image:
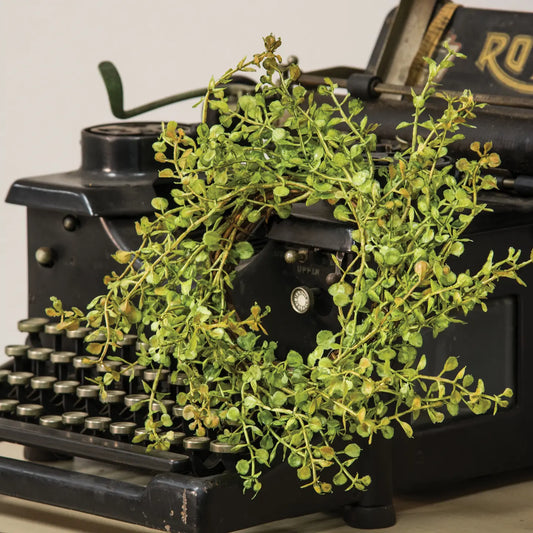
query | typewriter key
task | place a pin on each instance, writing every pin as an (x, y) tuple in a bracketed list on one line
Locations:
[(19, 353), (87, 391), (32, 325), (20, 382), (157, 407), (113, 403), (97, 423), (29, 411), (85, 366), (64, 394), (132, 385), (176, 439), (53, 330), (128, 346), (7, 406), (3, 376), (122, 429), (43, 388), (133, 399), (51, 421), (74, 420), (78, 336), (196, 443), (39, 357), (61, 362)]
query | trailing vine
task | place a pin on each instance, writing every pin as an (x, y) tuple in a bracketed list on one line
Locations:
[(275, 147)]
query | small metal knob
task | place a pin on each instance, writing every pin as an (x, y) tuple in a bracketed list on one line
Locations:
[(292, 256), (45, 256)]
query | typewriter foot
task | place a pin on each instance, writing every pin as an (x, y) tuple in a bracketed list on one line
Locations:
[(369, 517)]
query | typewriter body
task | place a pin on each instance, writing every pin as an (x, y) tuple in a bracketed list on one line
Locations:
[(78, 219)]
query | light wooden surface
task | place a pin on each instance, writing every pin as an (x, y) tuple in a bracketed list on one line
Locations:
[(502, 504)]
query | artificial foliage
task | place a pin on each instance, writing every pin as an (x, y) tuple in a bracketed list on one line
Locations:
[(276, 146)]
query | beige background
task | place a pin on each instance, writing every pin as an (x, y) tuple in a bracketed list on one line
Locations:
[(50, 87)]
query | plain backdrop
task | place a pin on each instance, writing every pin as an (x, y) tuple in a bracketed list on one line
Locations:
[(50, 88)]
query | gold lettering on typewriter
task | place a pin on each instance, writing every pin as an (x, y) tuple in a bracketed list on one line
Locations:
[(517, 51)]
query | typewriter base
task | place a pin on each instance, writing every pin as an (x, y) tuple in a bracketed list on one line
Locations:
[(187, 504)]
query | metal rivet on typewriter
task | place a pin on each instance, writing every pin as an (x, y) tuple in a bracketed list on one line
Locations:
[(19, 354), (78, 335), (51, 421), (61, 362), (33, 326), (97, 424), (7, 406), (38, 357), (74, 419), (122, 429), (53, 329), (29, 411)]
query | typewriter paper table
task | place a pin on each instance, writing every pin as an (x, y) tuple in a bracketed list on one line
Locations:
[(492, 505)]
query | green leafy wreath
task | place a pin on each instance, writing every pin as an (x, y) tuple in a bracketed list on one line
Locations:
[(281, 145)]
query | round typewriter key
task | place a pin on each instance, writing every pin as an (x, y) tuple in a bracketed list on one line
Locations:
[(51, 421), (74, 418), (66, 387), (43, 382), (140, 346), (176, 438), (181, 379), (196, 443), (108, 366), (128, 340), (113, 396), (88, 391), (78, 333), (122, 428), (150, 374), (177, 410), (84, 361), (133, 399), (97, 423), (16, 350), (19, 354), (19, 378), (3, 375), (98, 337), (29, 410), (62, 357), (140, 432), (32, 325), (53, 329), (157, 407), (222, 447), (39, 354), (135, 370), (7, 405)]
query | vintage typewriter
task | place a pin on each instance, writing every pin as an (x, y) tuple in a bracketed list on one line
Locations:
[(78, 219)]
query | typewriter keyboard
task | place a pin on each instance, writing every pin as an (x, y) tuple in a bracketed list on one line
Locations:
[(48, 401)]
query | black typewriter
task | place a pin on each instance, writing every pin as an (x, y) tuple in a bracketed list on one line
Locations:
[(76, 220)]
